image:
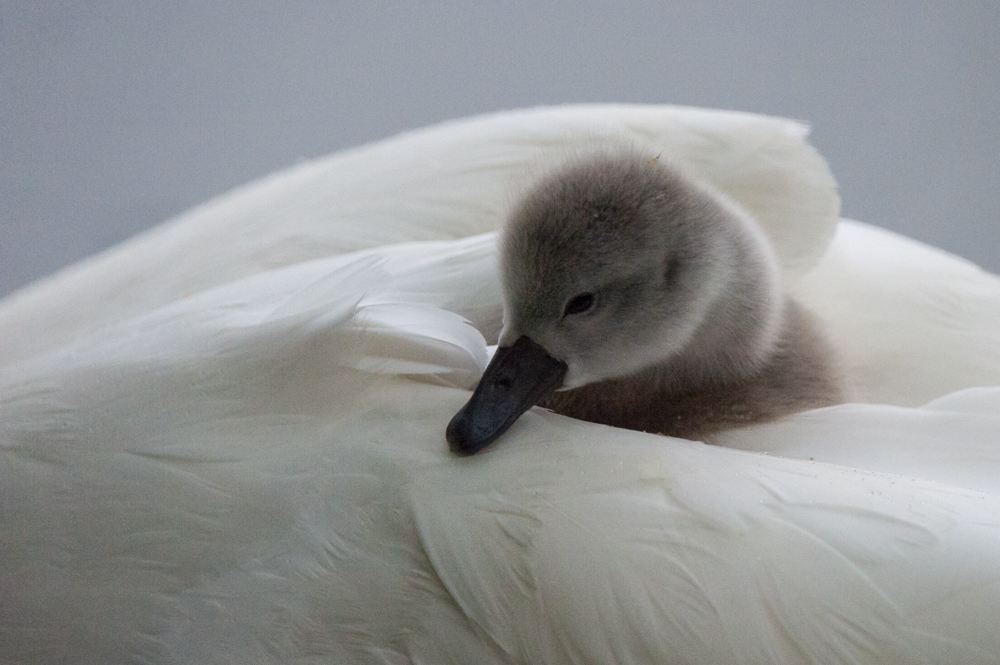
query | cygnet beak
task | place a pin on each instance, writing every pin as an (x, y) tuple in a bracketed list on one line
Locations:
[(518, 377)]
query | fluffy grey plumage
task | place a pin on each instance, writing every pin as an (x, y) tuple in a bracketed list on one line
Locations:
[(662, 298)]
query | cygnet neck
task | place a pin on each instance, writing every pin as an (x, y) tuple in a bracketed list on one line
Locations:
[(740, 329)]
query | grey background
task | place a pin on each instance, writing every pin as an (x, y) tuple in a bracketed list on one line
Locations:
[(117, 115)]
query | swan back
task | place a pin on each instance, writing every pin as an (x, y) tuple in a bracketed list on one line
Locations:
[(256, 474)]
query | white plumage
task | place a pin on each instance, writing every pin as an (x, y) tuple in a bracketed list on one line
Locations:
[(223, 441)]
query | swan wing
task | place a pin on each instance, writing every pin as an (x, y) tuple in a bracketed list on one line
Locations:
[(911, 322), (448, 181)]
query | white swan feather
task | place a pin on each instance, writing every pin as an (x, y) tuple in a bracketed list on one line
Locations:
[(249, 465)]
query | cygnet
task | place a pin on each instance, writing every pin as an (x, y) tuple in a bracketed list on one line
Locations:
[(636, 297)]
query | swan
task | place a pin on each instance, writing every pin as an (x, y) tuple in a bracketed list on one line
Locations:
[(651, 302), (222, 440)]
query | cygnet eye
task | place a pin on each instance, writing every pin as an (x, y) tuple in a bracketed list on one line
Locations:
[(579, 304)]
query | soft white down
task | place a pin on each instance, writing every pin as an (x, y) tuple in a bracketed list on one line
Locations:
[(223, 440)]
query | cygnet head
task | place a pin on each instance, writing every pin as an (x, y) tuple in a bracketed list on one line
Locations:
[(611, 265)]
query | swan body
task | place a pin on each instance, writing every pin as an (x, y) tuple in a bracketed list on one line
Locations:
[(244, 462), (652, 301)]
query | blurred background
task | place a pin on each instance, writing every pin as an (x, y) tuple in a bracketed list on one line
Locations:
[(117, 115)]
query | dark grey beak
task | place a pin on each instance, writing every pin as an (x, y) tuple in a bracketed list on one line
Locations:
[(517, 378)]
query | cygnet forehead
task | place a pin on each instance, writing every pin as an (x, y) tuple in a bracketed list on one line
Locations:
[(608, 212), (610, 200)]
